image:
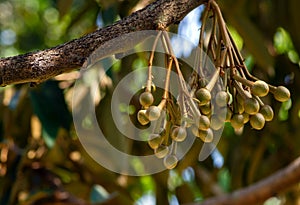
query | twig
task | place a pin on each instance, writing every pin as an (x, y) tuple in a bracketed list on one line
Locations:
[(262, 190), (150, 62)]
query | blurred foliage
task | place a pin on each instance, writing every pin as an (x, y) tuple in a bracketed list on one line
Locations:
[(32, 172)]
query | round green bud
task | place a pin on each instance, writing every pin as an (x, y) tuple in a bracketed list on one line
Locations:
[(237, 121), (170, 161), (260, 88), (154, 141), (282, 94), (267, 112), (204, 122), (205, 109), (161, 151), (206, 136), (153, 113), (251, 106), (178, 134), (203, 95), (146, 99), (257, 121), (222, 98)]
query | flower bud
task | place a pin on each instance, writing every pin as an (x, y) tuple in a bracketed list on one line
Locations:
[(251, 106), (146, 99), (282, 94), (153, 113), (260, 88), (203, 95), (142, 117), (170, 161), (267, 112), (257, 121)]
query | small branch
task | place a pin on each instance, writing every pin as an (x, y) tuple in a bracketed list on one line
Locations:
[(262, 190), (41, 65)]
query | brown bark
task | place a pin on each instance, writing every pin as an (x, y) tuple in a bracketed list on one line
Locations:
[(38, 66), (262, 190)]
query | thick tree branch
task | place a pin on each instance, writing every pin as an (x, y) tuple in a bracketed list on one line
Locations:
[(262, 190), (39, 66)]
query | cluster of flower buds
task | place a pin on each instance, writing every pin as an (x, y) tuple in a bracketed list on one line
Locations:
[(245, 90), (228, 93), (168, 129)]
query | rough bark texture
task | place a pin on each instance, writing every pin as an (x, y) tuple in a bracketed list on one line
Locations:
[(38, 66), (262, 190)]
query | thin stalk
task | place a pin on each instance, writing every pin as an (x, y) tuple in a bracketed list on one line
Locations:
[(261, 103), (183, 87), (201, 38), (213, 39), (150, 63), (240, 58), (167, 82), (169, 47), (158, 123), (173, 147), (168, 129), (242, 80), (182, 105), (216, 75), (241, 91), (222, 23)]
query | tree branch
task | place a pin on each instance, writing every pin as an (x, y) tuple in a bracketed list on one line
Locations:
[(262, 190), (41, 65)]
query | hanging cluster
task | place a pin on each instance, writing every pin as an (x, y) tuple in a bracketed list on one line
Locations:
[(243, 89), (229, 94)]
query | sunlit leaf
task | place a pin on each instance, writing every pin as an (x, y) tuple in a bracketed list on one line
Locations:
[(236, 37), (282, 41), (284, 110)]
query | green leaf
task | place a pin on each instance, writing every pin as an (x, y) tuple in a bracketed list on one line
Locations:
[(284, 110), (236, 37), (282, 41), (224, 179)]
